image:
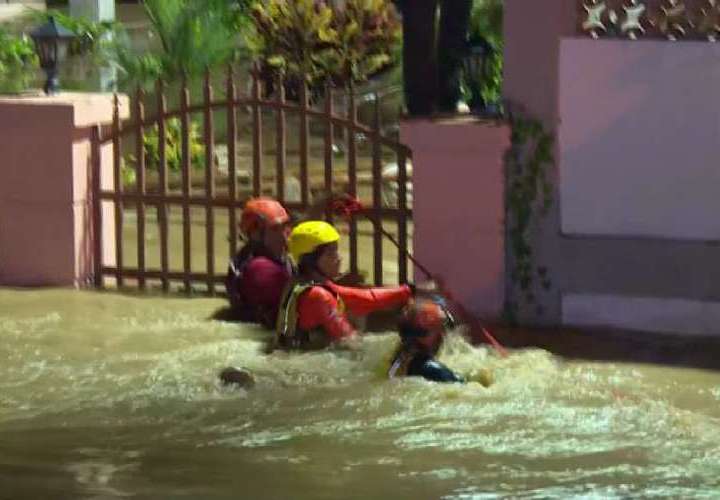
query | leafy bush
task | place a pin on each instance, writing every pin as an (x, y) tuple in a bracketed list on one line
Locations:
[(173, 146), (192, 35), (293, 36), (367, 32), (310, 38), (18, 63)]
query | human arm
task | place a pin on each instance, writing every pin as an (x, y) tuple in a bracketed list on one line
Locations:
[(363, 301)]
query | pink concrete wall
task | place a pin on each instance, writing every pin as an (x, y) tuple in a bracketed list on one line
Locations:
[(532, 31), (458, 211), (631, 236), (638, 139), (45, 204)]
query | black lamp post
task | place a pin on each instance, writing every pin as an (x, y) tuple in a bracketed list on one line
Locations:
[(476, 65), (51, 42)]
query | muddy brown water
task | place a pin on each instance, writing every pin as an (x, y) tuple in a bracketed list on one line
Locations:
[(104, 395)]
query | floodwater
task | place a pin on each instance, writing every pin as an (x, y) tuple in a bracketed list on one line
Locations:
[(104, 395)]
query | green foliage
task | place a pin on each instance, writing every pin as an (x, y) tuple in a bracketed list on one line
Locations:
[(173, 146), (313, 39), (528, 197), (18, 63), (135, 70), (367, 32), (128, 176), (294, 36), (486, 20), (193, 35)]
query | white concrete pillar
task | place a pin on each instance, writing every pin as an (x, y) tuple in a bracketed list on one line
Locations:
[(95, 10), (98, 10)]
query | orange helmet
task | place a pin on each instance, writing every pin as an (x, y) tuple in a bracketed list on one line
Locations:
[(262, 212), (425, 317)]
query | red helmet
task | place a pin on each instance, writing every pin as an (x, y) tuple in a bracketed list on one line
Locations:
[(262, 212), (425, 317)]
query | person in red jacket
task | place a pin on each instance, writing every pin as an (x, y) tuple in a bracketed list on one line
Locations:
[(313, 310), (258, 274)]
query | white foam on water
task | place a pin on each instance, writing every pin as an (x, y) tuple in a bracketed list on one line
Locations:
[(141, 374)]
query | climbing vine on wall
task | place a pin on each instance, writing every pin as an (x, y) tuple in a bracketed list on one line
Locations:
[(529, 196)]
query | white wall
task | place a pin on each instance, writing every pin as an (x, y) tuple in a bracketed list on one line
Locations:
[(97, 10), (638, 139)]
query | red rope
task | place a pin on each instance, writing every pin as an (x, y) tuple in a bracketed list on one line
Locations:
[(348, 205)]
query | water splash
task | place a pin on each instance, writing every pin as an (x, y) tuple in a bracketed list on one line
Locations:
[(118, 375)]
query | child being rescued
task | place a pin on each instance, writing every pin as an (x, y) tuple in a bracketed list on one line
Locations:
[(423, 327), (422, 330)]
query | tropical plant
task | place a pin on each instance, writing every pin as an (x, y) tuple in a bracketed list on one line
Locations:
[(173, 146), (309, 38), (486, 20), (367, 31), (294, 37), (128, 177), (192, 35), (18, 63)]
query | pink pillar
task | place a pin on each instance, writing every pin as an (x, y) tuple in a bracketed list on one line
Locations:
[(458, 211), (532, 32), (45, 184)]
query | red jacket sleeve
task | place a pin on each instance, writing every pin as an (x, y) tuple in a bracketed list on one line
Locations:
[(363, 301), (318, 307)]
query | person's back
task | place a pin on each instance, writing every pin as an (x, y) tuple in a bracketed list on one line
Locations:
[(255, 285), (257, 275)]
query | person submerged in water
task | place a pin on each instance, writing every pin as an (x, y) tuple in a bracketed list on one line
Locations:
[(258, 273), (313, 310), (422, 331)]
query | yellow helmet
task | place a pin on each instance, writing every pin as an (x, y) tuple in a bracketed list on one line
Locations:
[(307, 236)]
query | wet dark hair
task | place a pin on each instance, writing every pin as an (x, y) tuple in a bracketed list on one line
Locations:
[(308, 262)]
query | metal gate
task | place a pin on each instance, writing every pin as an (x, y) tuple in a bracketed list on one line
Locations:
[(159, 160)]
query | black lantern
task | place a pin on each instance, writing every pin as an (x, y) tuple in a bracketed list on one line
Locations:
[(476, 64), (51, 42)]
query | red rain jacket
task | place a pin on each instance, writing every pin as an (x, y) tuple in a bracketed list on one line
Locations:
[(320, 306)]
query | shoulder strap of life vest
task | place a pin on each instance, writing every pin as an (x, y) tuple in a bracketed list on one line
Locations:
[(287, 320), (400, 363)]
